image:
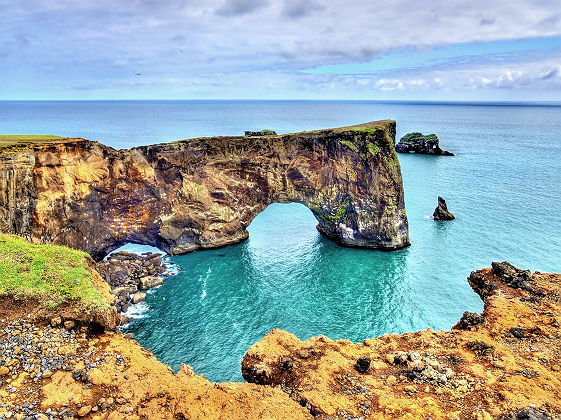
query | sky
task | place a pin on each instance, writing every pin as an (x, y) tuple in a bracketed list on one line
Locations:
[(281, 49)]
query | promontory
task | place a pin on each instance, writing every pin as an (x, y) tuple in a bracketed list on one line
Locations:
[(203, 192)]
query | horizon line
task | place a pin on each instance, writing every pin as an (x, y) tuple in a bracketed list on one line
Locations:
[(402, 101)]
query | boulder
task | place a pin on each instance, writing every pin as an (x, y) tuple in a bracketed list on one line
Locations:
[(441, 212), (149, 282), (138, 297), (421, 144)]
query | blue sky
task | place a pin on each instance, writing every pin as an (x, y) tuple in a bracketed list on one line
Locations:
[(281, 49)]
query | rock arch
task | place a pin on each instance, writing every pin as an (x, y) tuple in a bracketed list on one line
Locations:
[(204, 192)]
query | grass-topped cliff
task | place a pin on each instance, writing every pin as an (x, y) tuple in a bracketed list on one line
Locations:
[(54, 277), (12, 139)]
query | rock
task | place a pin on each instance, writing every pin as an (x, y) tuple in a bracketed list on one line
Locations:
[(527, 414), (517, 332), (138, 297), (421, 144), (150, 281), (84, 411), (4, 370), (363, 364), (108, 207), (512, 276), (56, 321), (260, 133), (441, 212), (390, 358), (47, 374), (411, 389), (391, 380), (286, 363), (80, 375), (468, 320)]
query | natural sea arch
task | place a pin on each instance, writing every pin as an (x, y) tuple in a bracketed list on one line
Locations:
[(203, 193)]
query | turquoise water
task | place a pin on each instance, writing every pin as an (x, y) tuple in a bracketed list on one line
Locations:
[(503, 186)]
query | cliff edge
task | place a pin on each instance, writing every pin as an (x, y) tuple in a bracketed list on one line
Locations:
[(503, 364), (204, 192)]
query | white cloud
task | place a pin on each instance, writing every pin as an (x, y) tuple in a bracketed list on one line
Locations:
[(239, 43)]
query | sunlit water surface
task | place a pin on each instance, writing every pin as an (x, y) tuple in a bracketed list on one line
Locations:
[(503, 185)]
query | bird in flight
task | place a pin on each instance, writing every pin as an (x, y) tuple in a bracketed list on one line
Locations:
[(138, 74)]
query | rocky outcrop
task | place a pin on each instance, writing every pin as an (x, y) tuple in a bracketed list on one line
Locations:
[(418, 143), (261, 133), (203, 193), (127, 273), (441, 211), (504, 363)]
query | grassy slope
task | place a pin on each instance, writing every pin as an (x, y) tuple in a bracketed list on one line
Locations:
[(49, 273), (10, 139)]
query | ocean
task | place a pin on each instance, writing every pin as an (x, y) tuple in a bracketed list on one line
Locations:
[(503, 185)]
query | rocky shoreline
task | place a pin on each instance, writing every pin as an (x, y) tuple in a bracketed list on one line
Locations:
[(501, 364), (129, 275)]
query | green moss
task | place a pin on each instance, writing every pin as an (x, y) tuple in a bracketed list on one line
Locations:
[(373, 149), (339, 213), (350, 145), (49, 273)]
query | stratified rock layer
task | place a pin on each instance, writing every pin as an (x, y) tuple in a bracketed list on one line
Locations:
[(203, 193)]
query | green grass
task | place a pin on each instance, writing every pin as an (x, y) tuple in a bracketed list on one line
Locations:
[(12, 139), (49, 273)]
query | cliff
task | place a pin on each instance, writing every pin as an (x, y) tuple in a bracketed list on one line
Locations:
[(203, 193), (502, 364)]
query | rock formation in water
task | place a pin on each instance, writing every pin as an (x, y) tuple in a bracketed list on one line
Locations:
[(204, 192), (418, 143), (441, 211)]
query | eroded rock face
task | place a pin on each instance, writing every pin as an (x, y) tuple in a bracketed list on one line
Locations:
[(203, 193)]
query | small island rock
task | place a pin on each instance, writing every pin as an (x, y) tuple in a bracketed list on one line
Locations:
[(421, 144), (441, 212)]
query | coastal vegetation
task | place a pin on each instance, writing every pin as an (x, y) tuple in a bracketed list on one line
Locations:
[(50, 274), (12, 139)]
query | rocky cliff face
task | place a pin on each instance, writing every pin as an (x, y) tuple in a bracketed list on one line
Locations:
[(203, 193)]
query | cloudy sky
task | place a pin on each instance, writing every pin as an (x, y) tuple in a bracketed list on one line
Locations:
[(285, 49)]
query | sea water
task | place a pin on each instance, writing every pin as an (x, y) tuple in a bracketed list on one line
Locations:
[(503, 185)]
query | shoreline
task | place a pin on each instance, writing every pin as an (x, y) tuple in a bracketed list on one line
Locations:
[(437, 374)]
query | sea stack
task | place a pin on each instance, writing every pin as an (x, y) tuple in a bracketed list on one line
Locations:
[(421, 144), (441, 211)]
